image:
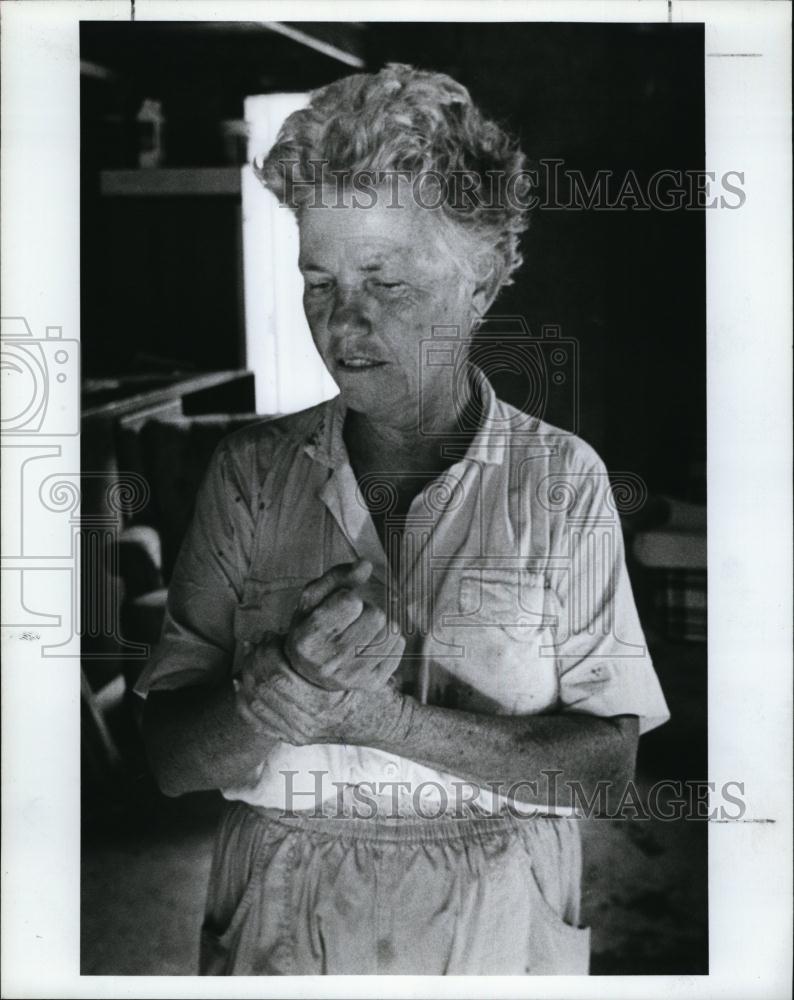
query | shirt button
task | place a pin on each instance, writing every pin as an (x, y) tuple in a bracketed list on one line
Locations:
[(391, 770)]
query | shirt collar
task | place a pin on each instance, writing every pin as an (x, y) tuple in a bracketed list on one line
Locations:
[(488, 444), (325, 442)]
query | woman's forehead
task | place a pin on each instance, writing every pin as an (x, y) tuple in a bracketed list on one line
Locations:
[(379, 231)]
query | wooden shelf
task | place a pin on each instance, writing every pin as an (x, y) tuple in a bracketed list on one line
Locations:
[(159, 182), (175, 387)]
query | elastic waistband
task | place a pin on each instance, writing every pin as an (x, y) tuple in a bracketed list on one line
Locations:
[(409, 830)]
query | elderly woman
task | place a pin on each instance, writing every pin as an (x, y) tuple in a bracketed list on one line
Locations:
[(389, 643)]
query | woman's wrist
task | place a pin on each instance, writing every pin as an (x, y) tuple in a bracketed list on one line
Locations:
[(382, 718)]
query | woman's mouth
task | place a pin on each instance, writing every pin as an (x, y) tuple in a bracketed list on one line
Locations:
[(358, 362)]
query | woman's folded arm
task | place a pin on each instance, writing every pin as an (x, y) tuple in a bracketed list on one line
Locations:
[(197, 739)]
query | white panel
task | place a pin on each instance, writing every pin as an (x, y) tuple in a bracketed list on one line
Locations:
[(279, 350)]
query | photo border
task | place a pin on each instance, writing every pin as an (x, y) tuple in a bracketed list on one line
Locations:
[(749, 318)]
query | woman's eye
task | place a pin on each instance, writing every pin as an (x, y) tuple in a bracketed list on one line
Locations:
[(318, 286), (390, 285)]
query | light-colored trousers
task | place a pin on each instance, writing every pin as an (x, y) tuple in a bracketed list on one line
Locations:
[(302, 896)]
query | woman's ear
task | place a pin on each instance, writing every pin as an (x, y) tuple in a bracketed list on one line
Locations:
[(485, 290)]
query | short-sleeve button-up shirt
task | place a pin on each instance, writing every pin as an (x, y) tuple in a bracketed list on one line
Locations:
[(513, 593)]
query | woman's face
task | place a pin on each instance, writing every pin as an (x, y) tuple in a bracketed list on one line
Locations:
[(377, 280)]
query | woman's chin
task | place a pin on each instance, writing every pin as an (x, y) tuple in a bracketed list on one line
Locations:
[(385, 412), (374, 399)]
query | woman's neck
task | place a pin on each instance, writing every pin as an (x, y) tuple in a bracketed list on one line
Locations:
[(374, 446)]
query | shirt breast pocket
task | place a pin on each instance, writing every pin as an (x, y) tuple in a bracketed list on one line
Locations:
[(498, 627), (515, 602)]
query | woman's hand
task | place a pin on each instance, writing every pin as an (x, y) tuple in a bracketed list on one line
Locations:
[(332, 628), (280, 703), (318, 684)]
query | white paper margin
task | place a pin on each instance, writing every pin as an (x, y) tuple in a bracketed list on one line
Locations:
[(749, 486)]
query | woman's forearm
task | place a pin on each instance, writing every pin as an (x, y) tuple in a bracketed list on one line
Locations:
[(509, 751), (196, 739)]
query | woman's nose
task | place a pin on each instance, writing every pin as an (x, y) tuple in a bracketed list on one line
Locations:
[(349, 314)]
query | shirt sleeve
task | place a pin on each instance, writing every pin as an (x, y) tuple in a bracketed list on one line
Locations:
[(197, 641), (603, 663)]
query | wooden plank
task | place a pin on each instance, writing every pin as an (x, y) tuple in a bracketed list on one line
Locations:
[(178, 389), (161, 182), (315, 41)]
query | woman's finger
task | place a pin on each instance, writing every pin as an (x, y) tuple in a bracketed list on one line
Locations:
[(368, 628), (343, 574), (333, 615)]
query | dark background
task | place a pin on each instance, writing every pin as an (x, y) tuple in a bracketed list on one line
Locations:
[(161, 293)]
